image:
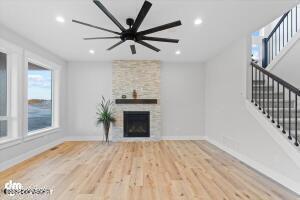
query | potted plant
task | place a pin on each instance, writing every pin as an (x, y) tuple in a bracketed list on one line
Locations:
[(105, 116)]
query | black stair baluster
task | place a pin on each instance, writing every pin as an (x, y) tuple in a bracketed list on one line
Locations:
[(273, 88), (279, 39), (269, 52), (283, 114), (290, 137), (256, 89), (296, 121), (288, 29), (297, 18), (291, 23), (278, 105), (252, 83), (268, 106), (272, 47), (275, 43), (263, 93), (259, 98), (283, 33)]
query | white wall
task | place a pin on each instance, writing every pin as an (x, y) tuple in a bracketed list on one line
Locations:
[(182, 88), (182, 100), (288, 67), (87, 82), (229, 124), (24, 147)]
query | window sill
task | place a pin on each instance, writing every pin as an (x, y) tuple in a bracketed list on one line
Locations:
[(40, 133), (5, 143)]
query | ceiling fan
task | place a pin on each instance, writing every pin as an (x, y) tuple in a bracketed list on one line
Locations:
[(132, 32)]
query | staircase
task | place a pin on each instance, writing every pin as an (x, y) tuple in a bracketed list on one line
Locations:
[(280, 36), (278, 100), (274, 97)]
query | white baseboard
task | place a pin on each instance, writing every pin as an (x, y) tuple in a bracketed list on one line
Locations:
[(194, 137), (99, 138), (282, 180), (84, 138), (9, 163)]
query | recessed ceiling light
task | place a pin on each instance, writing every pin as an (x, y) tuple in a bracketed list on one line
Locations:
[(92, 51), (178, 52), (60, 19), (198, 21)]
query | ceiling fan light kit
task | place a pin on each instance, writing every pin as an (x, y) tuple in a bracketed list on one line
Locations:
[(132, 33)]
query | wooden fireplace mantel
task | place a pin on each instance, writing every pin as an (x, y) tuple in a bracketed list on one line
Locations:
[(136, 101)]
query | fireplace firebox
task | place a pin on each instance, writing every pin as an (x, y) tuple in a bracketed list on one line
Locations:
[(136, 124)]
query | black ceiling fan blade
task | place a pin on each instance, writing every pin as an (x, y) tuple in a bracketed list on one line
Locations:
[(100, 38), (160, 28), (93, 26), (117, 44), (141, 16), (158, 39), (109, 15), (148, 45), (132, 47)]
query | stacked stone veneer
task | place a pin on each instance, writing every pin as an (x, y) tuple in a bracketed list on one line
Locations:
[(144, 77)]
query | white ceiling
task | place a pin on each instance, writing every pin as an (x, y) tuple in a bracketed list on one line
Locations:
[(223, 22)]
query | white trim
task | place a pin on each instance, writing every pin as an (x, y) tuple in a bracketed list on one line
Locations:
[(84, 138), (283, 180), (8, 47), (9, 67), (287, 145), (194, 137), (7, 142), (99, 138), (55, 91), (41, 133), (39, 60), (9, 163)]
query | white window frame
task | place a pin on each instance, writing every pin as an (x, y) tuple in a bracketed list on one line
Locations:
[(14, 55), (38, 60), (8, 98)]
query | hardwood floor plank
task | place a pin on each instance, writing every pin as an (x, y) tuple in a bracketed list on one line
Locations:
[(164, 170)]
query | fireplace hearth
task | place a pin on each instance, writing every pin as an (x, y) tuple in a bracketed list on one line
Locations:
[(136, 124)]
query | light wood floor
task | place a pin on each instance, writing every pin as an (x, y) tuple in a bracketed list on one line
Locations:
[(143, 170)]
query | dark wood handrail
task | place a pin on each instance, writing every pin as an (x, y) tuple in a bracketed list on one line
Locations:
[(277, 79), (278, 24)]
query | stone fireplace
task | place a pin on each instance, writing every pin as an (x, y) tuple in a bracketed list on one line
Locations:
[(143, 76)]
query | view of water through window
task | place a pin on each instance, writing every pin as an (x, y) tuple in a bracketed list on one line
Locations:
[(39, 97)]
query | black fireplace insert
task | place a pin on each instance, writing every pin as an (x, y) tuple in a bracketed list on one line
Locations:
[(136, 124)]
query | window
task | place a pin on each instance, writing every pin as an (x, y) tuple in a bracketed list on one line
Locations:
[(256, 34), (255, 52), (3, 95), (40, 109)]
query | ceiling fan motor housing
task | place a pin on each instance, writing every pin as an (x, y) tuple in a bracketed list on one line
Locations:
[(129, 22)]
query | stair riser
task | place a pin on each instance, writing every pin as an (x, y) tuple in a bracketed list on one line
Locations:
[(293, 136), (286, 105), (266, 88), (256, 95), (293, 127), (258, 82), (286, 114)]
